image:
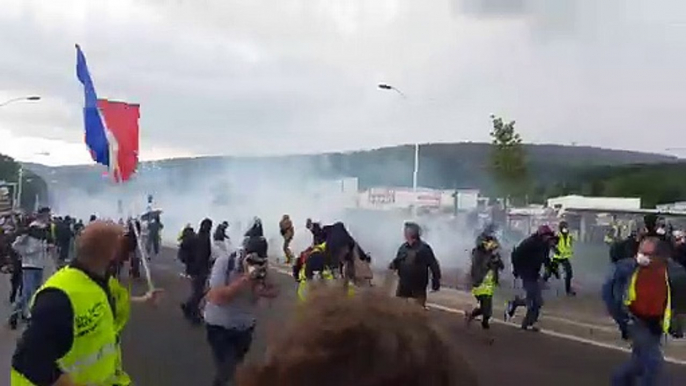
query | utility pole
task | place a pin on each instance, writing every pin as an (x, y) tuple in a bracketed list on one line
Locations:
[(415, 171), (20, 184)]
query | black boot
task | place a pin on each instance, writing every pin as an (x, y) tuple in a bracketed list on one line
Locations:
[(13, 321)]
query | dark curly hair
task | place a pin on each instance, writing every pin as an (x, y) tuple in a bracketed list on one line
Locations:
[(365, 340)]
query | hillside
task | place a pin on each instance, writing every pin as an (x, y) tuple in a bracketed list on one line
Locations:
[(447, 166)]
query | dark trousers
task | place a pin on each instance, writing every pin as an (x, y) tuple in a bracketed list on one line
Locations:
[(15, 282), (554, 270), (153, 245), (533, 301), (229, 347), (192, 305), (64, 252), (485, 310)]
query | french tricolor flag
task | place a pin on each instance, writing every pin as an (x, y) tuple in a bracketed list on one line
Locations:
[(111, 128)]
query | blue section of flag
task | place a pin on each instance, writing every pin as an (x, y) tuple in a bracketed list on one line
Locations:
[(96, 140)]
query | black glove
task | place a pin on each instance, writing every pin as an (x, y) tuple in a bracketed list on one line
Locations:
[(435, 285)]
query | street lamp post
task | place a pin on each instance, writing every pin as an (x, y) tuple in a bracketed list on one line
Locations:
[(20, 99), (415, 172)]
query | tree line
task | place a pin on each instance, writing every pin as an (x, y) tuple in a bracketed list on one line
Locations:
[(33, 186), (656, 183)]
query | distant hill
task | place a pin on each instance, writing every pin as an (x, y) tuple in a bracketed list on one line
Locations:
[(445, 166)]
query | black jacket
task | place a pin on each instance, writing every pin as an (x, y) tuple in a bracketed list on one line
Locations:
[(413, 263), (679, 254), (623, 249), (482, 262), (187, 247), (530, 256), (199, 264)]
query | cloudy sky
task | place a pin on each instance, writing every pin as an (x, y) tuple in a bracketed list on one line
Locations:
[(265, 77)]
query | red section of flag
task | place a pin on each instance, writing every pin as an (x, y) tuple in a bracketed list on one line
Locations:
[(121, 119)]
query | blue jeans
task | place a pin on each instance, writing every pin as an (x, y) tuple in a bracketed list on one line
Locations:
[(229, 347), (31, 280), (644, 368), (533, 301)]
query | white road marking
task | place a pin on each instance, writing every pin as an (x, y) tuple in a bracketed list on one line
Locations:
[(543, 331)]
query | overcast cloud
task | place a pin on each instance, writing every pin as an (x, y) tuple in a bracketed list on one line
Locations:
[(258, 77)]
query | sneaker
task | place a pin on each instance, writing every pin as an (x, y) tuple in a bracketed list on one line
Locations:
[(531, 328), (13, 321), (468, 319)]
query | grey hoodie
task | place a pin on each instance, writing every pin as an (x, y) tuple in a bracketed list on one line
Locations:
[(33, 246)]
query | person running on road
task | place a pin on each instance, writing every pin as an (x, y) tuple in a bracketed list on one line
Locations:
[(484, 273), (644, 295), (198, 269), (230, 310), (32, 246), (287, 232), (414, 260), (187, 241), (77, 316), (562, 255), (154, 238), (527, 260)]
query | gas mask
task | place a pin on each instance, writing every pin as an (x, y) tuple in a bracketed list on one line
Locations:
[(642, 260)]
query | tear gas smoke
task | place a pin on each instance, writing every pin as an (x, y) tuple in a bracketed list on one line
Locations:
[(239, 191)]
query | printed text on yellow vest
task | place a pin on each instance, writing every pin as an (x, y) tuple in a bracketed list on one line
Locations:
[(93, 355)]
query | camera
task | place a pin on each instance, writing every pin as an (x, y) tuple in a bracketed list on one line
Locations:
[(255, 266)]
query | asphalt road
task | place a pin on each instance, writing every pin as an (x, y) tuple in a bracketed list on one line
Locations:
[(161, 349)]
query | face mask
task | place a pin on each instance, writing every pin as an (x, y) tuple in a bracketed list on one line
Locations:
[(642, 260), (660, 231), (564, 230)]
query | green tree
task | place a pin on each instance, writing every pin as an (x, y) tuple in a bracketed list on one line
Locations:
[(33, 185), (508, 160)]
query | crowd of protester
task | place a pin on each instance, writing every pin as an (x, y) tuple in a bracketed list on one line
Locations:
[(644, 294)]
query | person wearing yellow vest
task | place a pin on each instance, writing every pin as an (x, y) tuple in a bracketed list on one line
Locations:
[(313, 269), (563, 252), (77, 315), (484, 273), (644, 295)]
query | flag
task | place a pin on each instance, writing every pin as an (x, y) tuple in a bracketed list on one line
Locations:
[(121, 127), (96, 136)]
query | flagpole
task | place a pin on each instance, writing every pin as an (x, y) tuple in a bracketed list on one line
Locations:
[(119, 183)]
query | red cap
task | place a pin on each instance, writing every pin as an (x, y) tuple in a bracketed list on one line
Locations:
[(544, 230)]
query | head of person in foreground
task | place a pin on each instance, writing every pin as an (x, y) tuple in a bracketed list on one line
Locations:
[(368, 339), (98, 246)]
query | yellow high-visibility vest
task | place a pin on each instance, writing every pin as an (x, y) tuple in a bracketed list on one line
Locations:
[(564, 247), (487, 286), (122, 306), (303, 283), (92, 359), (630, 296)]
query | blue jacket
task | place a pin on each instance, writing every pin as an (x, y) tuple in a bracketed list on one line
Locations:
[(615, 288)]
